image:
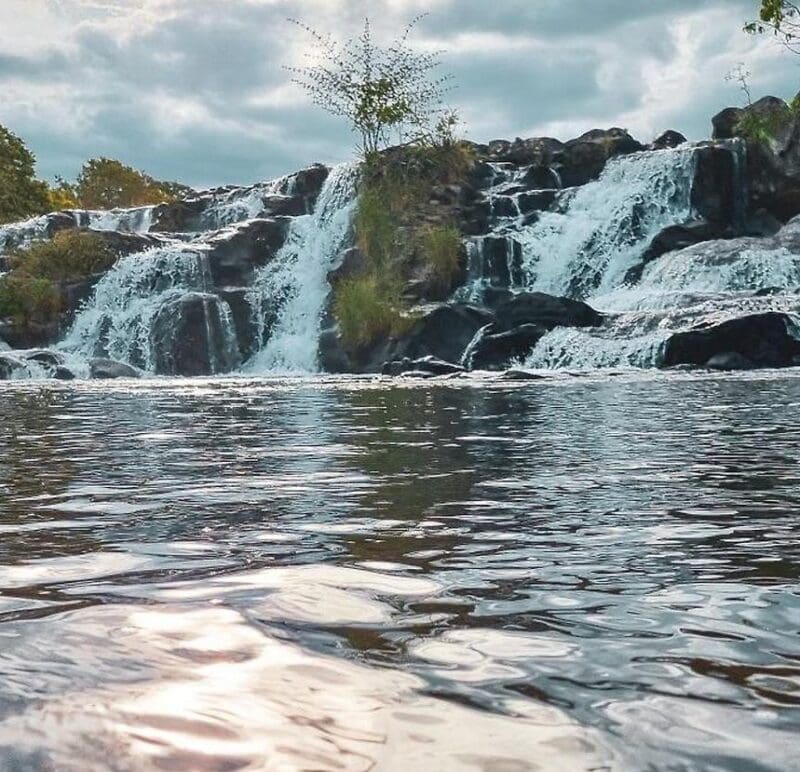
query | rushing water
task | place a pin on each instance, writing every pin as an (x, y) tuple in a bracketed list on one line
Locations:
[(572, 574)]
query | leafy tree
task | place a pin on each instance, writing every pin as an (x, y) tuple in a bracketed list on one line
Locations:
[(378, 90), (780, 17), (21, 194), (106, 184)]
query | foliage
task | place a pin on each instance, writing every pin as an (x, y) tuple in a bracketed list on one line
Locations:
[(61, 196), (21, 194), (69, 255), (107, 184), (780, 17), (367, 308), (378, 90), (28, 300), (442, 248)]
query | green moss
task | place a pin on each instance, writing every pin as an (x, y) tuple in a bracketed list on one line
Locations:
[(765, 127), (27, 300), (368, 309), (69, 255), (442, 249)]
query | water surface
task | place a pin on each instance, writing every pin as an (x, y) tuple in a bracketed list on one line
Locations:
[(588, 573)]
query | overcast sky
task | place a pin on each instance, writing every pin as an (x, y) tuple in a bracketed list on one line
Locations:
[(194, 90)]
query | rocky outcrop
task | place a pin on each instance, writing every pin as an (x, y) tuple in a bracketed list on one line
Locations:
[(763, 340), (193, 335), (110, 369), (773, 159)]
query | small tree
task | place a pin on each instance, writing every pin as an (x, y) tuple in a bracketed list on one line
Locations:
[(780, 17), (376, 89)]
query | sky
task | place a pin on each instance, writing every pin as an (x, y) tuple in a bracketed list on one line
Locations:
[(196, 90)]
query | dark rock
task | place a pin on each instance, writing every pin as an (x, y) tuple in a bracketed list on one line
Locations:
[(521, 375), (583, 159), (49, 359), (504, 206), (123, 244), (63, 374), (495, 351), (307, 184), (27, 336), (729, 361), (427, 364), (724, 123), (238, 300), (537, 201), (764, 339), (192, 335), (499, 261), (444, 332), (541, 178), (537, 151), (350, 263), (238, 250), (546, 311), (9, 365), (109, 369), (284, 206), (668, 139), (333, 355), (716, 191), (180, 216)]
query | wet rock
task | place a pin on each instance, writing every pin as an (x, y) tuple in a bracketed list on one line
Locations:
[(238, 300), (49, 359), (716, 194), (495, 351), (536, 151), (583, 159), (443, 332), (547, 311), (350, 263), (518, 374), (729, 361), (766, 340), (429, 364), (536, 201), (237, 251), (668, 139), (9, 366), (193, 334), (123, 244), (500, 260), (63, 374), (110, 369), (307, 184), (332, 354)]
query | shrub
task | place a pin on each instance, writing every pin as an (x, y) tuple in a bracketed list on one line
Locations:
[(443, 252), (105, 183), (27, 300), (69, 255), (367, 309)]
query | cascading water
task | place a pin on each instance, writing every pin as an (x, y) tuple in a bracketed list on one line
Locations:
[(117, 321), (288, 295)]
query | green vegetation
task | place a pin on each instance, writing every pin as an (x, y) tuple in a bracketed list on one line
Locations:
[(21, 194), (369, 307), (443, 249), (395, 235), (68, 256), (107, 184), (780, 17), (27, 300), (29, 293), (102, 184)]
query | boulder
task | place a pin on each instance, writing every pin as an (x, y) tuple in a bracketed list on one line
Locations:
[(518, 374), (109, 369), (497, 259), (537, 151), (235, 252), (63, 374), (496, 351), (717, 188), (547, 311), (193, 334), (443, 331), (238, 300), (668, 139), (9, 366), (583, 159), (765, 340)]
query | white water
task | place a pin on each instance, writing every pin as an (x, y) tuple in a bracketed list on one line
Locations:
[(293, 288), (133, 220), (230, 206), (117, 320)]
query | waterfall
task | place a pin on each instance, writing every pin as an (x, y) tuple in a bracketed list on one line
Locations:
[(604, 227), (137, 219), (118, 319), (288, 296)]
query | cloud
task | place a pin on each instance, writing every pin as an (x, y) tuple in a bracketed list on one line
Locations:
[(195, 90)]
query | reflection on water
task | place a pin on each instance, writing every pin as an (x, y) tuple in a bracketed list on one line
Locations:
[(224, 575)]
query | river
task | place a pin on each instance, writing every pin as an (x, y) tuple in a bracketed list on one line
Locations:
[(317, 573)]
